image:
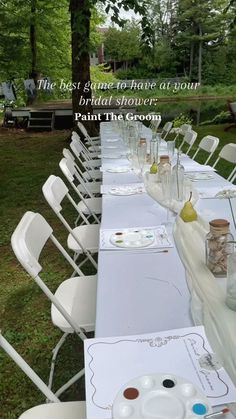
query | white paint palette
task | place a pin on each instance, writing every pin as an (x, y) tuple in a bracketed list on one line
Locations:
[(112, 156), (200, 176), (118, 170), (160, 396), (126, 190), (133, 239)]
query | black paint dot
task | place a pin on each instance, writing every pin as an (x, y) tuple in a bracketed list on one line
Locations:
[(168, 383)]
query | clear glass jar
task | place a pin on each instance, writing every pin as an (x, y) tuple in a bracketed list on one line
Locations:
[(231, 282), (218, 247), (164, 167), (178, 180)]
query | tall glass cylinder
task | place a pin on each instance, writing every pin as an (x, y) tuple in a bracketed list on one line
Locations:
[(154, 149), (142, 153), (231, 282), (178, 181)]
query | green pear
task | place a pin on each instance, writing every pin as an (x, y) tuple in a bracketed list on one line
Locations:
[(188, 213), (153, 168)]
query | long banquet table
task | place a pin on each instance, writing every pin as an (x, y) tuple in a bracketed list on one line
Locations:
[(142, 292)]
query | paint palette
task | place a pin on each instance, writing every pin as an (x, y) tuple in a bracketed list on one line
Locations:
[(126, 190), (160, 396), (118, 170), (133, 238), (112, 156), (112, 140), (201, 176)]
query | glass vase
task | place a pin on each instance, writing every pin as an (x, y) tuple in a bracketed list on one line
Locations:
[(231, 282), (178, 180)]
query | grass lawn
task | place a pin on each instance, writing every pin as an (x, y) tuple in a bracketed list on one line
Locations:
[(27, 160)]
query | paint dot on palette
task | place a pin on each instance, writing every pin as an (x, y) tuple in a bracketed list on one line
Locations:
[(199, 409), (118, 234), (119, 241), (168, 383), (131, 393)]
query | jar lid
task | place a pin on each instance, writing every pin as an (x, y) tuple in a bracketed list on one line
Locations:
[(164, 157), (219, 223)]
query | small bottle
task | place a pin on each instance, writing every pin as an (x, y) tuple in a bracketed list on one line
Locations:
[(178, 180), (218, 247)]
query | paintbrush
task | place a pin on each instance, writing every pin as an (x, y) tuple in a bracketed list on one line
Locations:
[(215, 414)]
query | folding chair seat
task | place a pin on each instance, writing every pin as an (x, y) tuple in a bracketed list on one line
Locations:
[(166, 129), (81, 240), (189, 139), (208, 144), (69, 170), (228, 153), (73, 308), (53, 410), (89, 175)]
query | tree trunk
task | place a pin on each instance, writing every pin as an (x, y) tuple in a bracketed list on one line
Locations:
[(80, 31), (33, 47), (200, 56), (191, 61)]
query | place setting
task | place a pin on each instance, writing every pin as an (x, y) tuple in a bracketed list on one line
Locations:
[(135, 238), (123, 190)]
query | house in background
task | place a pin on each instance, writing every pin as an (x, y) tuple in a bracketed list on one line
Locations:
[(98, 57)]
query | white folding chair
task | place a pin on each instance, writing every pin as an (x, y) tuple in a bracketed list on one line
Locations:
[(182, 130), (155, 123), (53, 410), (87, 175), (228, 153), (69, 170), (209, 143), (88, 154), (83, 239), (78, 153), (73, 308), (166, 129), (93, 142), (189, 138), (87, 208)]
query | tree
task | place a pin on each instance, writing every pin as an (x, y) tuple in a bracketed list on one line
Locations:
[(124, 44), (80, 28)]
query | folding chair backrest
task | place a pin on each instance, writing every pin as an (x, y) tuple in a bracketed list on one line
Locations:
[(83, 129), (209, 144), (27, 242), (67, 154), (228, 153), (8, 348), (69, 170), (185, 128), (155, 122), (75, 136), (189, 138), (166, 129)]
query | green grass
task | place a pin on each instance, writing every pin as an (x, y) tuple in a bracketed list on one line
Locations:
[(26, 161)]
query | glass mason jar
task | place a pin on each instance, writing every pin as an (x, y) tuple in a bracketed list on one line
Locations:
[(218, 247), (231, 282), (178, 180), (164, 166)]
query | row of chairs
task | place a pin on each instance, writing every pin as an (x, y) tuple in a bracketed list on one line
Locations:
[(73, 305), (208, 144)]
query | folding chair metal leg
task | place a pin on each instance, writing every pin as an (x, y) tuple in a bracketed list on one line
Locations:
[(54, 356), (70, 382)]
